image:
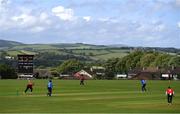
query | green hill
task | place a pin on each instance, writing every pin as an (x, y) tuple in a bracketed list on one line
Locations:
[(55, 53), (8, 44)]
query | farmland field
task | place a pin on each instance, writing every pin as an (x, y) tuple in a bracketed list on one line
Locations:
[(97, 96)]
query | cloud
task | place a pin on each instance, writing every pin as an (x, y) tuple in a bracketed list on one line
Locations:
[(177, 3), (159, 28), (137, 22), (65, 14), (37, 29), (24, 20), (3, 6), (4, 2), (178, 24), (87, 18), (44, 18), (104, 19)]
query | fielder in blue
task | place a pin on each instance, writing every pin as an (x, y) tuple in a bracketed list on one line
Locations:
[(143, 83), (49, 87)]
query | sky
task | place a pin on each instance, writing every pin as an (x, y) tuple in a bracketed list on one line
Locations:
[(147, 23)]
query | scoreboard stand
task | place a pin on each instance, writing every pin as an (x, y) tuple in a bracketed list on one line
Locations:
[(25, 66)]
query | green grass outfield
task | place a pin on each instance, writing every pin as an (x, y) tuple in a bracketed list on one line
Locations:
[(97, 96)]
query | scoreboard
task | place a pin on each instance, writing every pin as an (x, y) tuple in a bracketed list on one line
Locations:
[(25, 64)]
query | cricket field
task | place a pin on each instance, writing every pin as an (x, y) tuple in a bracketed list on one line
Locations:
[(96, 96)]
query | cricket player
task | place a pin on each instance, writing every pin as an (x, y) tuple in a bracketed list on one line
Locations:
[(49, 87), (29, 86), (143, 83), (82, 80), (170, 94)]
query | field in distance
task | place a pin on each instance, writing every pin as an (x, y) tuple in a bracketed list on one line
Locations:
[(97, 96)]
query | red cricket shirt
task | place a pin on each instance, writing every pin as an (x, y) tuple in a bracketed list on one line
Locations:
[(170, 91)]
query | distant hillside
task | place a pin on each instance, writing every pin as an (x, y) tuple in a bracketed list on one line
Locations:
[(51, 55), (8, 44), (117, 45), (4, 44), (78, 46), (12, 45)]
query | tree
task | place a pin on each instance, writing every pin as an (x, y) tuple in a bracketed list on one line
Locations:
[(110, 68), (121, 66), (70, 66), (91, 54), (7, 72), (54, 72), (3, 54), (147, 59), (161, 60), (128, 62), (174, 61)]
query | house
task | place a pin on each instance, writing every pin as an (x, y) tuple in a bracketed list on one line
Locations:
[(25, 76), (66, 76), (133, 73), (86, 75), (121, 76), (98, 70), (155, 73), (9, 57), (145, 73), (170, 73), (166, 76), (43, 73), (176, 72)]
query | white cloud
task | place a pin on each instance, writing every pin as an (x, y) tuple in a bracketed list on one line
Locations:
[(37, 29), (63, 13), (177, 2), (160, 28), (87, 18), (141, 28), (24, 20), (4, 2), (115, 23), (154, 27), (178, 24), (3, 6), (104, 19), (150, 38), (44, 18), (31, 22)]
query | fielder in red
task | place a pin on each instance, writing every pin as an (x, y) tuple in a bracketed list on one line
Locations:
[(29, 86), (170, 94), (82, 80)]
